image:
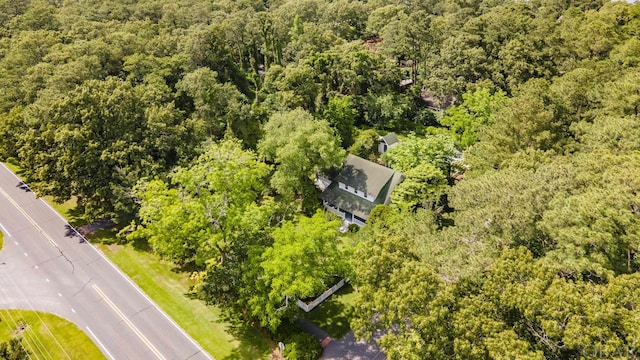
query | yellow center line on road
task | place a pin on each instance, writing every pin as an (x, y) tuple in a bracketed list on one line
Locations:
[(24, 213), (128, 322)]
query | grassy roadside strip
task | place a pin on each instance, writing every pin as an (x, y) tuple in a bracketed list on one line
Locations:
[(15, 168), (168, 288), (47, 336)]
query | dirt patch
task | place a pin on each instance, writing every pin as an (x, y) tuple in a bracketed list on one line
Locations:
[(20, 328), (114, 248)]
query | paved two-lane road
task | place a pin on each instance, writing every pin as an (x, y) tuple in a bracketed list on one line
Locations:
[(43, 268)]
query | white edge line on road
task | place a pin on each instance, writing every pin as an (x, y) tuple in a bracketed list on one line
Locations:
[(117, 310), (117, 269), (4, 230), (104, 348)]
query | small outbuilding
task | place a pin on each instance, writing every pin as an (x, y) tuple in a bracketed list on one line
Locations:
[(387, 142)]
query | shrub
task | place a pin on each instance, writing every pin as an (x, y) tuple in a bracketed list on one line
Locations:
[(302, 346), (365, 144)]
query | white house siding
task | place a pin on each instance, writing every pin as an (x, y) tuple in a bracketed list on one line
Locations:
[(343, 214), (356, 192)]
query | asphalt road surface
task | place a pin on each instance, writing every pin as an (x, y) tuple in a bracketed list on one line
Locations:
[(45, 266)]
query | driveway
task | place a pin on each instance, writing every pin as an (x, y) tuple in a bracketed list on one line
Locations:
[(345, 348), (349, 348)]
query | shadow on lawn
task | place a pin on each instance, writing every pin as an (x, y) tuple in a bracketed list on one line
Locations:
[(140, 244), (103, 236), (334, 314), (75, 215), (251, 342)]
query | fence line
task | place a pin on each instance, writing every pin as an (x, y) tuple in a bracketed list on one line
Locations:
[(306, 307)]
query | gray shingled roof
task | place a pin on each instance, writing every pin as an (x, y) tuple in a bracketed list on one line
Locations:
[(395, 180), (390, 139), (347, 201), (364, 175)]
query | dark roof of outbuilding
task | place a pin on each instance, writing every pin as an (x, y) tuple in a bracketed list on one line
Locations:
[(390, 139)]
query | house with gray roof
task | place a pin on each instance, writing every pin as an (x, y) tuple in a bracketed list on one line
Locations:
[(387, 142), (360, 186)]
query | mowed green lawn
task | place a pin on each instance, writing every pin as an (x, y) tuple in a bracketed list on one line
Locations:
[(47, 336), (334, 314), (168, 288)]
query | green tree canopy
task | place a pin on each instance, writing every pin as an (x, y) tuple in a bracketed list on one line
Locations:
[(437, 150), (466, 119), (422, 187), (302, 262), (300, 146), (196, 216), (341, 114), (98, 140), (217, 107), (13, 350)]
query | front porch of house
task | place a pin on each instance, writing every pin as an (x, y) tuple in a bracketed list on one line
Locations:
[(347, 216)]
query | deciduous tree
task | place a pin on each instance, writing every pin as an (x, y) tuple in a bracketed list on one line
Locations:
[(466, 119), (199, 214), (97, 141), (437, 150), (300, 146), (422, 187), (340, 114), (302, 262), (13, 350)]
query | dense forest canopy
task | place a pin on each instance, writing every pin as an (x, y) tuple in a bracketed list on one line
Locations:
[(203, 123)]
